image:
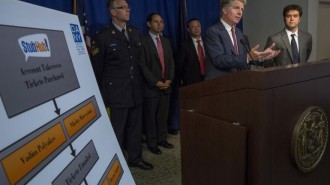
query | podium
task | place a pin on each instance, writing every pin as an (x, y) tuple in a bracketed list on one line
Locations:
[(239, 129)]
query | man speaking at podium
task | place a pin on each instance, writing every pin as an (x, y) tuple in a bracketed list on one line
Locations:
[(225, 45)]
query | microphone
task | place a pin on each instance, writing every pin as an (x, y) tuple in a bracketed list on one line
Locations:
[(248, 49)]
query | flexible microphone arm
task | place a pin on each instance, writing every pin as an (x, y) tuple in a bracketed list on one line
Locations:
[(248, 49)]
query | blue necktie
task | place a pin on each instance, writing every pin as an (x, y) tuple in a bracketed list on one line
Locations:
[(294, 48)]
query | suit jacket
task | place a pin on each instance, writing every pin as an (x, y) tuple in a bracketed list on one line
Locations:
[(151, 67), (282, 42), (115, 64), (187, 63), (221, 59)]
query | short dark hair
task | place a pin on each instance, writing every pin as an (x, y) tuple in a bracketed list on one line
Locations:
[(110, 4), (151, 15), (292, 7), (191, 20)]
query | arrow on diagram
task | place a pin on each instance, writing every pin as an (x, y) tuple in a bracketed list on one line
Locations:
[(57, 110), (73, 151)]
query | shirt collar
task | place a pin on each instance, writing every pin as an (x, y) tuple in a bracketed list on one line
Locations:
[(290, 32), (153, 36), (227, 26), (118, 27), (195, 40)]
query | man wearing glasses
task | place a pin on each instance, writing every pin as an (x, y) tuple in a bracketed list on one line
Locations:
[(115, 61)]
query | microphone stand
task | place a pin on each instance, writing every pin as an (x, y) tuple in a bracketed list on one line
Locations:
[(254, 62)]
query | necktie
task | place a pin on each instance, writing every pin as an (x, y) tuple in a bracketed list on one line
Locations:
[(124, 33), (161, 56), (294, 48), (234, 39), (201, 57)]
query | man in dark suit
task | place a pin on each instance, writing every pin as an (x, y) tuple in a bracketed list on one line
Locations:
[(157, 66), (190, 61), (284, 41), (225, 51), (115, 61)]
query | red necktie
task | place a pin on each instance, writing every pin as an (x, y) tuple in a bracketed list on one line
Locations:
[(161, 56), (201, 57), (234, 39)]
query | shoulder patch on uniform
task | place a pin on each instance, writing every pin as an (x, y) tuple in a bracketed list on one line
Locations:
[(95, 51)]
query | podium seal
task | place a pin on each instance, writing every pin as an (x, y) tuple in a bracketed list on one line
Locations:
[(310, 137)]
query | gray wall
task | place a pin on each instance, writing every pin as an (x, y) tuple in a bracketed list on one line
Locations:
[(323, 36), (263, 18)]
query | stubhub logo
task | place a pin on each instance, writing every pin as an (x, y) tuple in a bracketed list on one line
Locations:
[(35, 45)]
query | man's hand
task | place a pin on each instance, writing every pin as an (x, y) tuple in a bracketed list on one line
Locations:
[(267, 54), (161, 85), (168, 82), (273, 53)]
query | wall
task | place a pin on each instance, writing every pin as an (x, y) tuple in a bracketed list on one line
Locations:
[(323, 36)]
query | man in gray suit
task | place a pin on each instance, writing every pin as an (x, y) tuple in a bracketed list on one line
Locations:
[(225, 45), (296, 45)]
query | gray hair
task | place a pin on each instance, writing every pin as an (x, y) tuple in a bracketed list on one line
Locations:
[(227, 3)]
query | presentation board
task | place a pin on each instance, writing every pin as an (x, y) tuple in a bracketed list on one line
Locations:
[(53, 124)]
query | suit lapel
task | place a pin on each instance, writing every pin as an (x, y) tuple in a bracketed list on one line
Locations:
[(224, 32), (130, 35), (152, 46), (192, 48), (302, 45), (117, 34), (153, 49), (239, 36), (285, 39), (165, 47), (226, 35)]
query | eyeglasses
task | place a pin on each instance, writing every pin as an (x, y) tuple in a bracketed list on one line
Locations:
[(122, 8)]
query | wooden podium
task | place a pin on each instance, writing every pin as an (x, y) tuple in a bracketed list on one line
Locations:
[(238, 129)]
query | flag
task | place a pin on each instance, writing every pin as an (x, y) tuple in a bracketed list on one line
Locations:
[(79, 9), (183, 35), (174, 112)]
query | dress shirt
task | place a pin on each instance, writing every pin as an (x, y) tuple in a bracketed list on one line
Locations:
[(154, 38), (228, 28), (290, 38), (196, 44)]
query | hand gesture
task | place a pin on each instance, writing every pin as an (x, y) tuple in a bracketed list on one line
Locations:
[(267, 54)]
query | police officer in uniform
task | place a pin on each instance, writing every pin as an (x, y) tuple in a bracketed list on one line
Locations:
[(115, 61)]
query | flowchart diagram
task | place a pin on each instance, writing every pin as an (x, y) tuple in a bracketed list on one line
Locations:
[(45, 65)]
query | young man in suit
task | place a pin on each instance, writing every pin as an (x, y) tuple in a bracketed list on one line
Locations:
[(296, 45), (115, 62), (223, 43), (157, 67), (190, 61)]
